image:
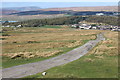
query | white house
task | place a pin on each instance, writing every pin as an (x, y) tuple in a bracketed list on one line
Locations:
[(81, 27), (19, 26), (84, 27), (100, 14), (7, 26), (94, 27), (75, 25)]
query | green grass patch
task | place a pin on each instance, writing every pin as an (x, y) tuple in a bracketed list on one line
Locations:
[(86, 67), (7, 62), (85, 41), (109, 45), (5, 34), (2, 38), (49, 26), (67, 15)]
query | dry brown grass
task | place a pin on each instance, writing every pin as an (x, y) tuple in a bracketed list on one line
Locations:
[(88, 60), (31, 55), (97, 8), (43, 42), (107, 47)]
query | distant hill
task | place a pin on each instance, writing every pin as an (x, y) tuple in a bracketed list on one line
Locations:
[(6, 12), (10, 10), (39, 12), (108, 10), (97, 8), (29, 8)]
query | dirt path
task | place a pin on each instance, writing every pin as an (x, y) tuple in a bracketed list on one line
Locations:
[(33, 68)]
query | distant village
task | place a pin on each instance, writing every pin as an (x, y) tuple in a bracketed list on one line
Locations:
[(92, 26), (18, 26), (82, 25)]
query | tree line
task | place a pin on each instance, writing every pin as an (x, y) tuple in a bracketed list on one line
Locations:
[(111, 20)]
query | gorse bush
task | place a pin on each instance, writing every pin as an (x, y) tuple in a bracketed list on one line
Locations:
[(5, 34)]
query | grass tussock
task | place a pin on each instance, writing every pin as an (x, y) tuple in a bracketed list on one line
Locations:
[(109, 46)]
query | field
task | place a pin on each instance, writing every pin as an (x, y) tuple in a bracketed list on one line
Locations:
[(29, 17), (100, 62), (25, 45), (97, 8)]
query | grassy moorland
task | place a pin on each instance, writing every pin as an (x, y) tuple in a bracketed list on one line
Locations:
[(100, 62), (32, 44), (29, 17)]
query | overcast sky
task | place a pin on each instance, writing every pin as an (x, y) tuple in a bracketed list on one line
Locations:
[(60, 0), (58, 4)]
